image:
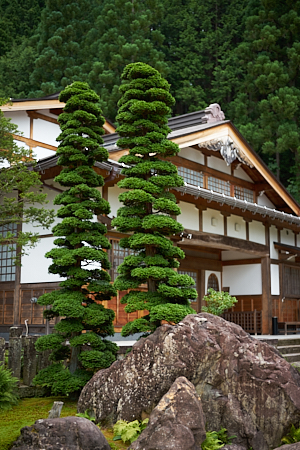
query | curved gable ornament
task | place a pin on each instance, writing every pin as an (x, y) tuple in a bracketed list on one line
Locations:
[(228, 149)]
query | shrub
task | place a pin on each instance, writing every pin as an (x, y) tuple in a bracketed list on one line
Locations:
[(292, 436), (129, 431), (8, 385), (217, 302)]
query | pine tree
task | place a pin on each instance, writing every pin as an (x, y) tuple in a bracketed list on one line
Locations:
[(80, 256), (200, 37), (125, 32), (148, 204), (266, 109), (21, 196), (62, 54)]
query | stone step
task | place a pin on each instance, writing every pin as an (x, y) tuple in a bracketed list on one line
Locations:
[(292, 357), (287, 342), (289, 349)]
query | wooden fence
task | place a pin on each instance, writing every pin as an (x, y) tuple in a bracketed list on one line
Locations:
[(250, 321)]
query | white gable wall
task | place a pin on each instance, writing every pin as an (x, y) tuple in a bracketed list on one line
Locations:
[(263, 200), (218, 164), (240, 173), (20, 119), (45, 131), (192, 155)]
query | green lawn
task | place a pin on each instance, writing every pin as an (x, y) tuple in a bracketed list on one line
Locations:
[(29, 410)]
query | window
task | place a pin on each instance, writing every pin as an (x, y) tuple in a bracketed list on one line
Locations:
[(7, 254), (221, 186), (191, 176), (243, 193), (192, 275), (213, 282), (116, 257)]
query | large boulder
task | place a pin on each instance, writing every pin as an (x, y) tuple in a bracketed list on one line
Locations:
[(244, 384), (67, 433), (295, 446), (177, 422)]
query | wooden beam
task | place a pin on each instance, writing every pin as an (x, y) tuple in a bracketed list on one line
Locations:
[(200, 239), (266, 296), (201, 263), (32, 143), (32, 105), (36, 115), (240, 262)]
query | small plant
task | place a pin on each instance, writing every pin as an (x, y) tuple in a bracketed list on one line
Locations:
[(292, 437), (217, 302), (212, 442), (222, 435), (129, 431), (8, 384), (86, 415)]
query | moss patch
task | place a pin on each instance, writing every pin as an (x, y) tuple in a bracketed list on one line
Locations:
[(31, 409)]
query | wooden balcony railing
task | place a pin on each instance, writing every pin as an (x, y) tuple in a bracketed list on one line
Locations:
[(250, 321)]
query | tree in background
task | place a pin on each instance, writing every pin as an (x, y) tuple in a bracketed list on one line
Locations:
[(63, 56), (80, 256), (20, 192), (125, 32), (266, 108), (199, 41), (148, 204)]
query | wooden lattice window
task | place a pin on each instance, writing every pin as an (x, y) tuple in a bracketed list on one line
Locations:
[(213, 282), (116, 257), (221, 186), (192, 275), (191, 176), (243, 193), (8, 254)]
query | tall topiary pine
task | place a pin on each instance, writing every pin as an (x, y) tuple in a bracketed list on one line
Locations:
[(80, 257), (148, 204)]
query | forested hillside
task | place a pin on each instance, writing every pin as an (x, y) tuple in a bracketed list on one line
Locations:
[(243, 54)]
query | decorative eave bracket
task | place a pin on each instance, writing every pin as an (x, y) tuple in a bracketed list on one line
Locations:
[(228, 149)]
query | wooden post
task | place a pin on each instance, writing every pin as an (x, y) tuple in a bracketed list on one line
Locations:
[(266, 296), (201, 289), (17, 293)]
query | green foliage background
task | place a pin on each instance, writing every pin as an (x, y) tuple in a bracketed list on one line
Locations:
[(243, 54)]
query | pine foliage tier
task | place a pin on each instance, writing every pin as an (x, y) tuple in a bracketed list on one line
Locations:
[(149, 206), (80, 256)]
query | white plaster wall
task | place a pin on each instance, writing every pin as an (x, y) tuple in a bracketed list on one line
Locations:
[(113, 194), (40, 153), (218, 164), (240, 173), (218, 275), (231, 231), (35, 266), (207, 221), (287, 237), (273, 238), (243, 280), (230, 255), (189, 216), (20, 119), (257, 232), (275, 285), (263, 200), (39, 229), (192, 154), (44, 131)]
